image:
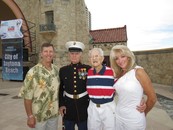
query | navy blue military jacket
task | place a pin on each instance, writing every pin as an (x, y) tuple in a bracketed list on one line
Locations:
[(73, 79)]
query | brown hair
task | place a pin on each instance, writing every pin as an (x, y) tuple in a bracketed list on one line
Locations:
[(47, 45)]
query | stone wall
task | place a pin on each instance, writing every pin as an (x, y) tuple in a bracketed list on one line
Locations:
[(158, 64)]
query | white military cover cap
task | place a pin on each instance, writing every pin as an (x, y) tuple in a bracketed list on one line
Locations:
[(75, 46)]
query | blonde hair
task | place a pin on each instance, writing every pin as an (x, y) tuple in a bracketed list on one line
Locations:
[(123, 50)]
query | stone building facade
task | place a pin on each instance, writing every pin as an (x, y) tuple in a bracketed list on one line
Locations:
[(54, 21)]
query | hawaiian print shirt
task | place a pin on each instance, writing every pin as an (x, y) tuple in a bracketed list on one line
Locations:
[(41, 86)]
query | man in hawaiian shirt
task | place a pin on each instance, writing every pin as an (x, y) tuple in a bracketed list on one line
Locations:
[(40, 92)]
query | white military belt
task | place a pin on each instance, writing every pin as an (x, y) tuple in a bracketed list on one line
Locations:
[(76, 96)]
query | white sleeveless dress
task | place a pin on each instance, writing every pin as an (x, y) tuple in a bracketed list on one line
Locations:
[(129, 93)]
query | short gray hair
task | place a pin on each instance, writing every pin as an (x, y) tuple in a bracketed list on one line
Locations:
[(96, 49)]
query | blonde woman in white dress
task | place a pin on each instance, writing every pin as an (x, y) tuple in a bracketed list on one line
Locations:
[(132, 82)]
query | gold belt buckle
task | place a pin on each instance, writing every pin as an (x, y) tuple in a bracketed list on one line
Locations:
[(97, 105), (75, 96)]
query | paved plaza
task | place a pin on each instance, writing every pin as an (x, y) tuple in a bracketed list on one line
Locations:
[(13, 117)]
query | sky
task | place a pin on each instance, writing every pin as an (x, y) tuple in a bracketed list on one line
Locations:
[(149, 23)]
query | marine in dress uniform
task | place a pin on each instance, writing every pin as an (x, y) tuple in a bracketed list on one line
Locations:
[(72, 93)]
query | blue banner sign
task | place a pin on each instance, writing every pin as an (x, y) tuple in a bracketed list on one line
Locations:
[(12, 61)]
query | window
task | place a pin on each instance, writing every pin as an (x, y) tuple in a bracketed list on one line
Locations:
[(106, 61), (48, 1), (49, 17)]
